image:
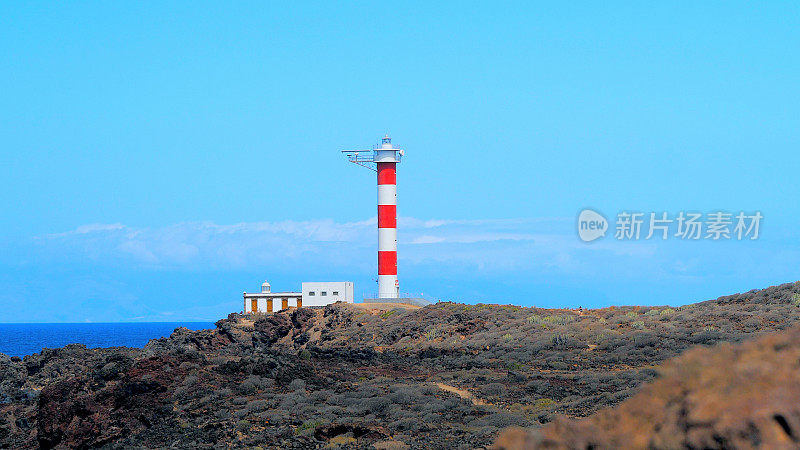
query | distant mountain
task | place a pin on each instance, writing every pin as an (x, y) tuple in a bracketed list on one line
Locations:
[(447, 375)]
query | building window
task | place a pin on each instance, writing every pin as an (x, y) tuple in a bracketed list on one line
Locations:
[(323, 293), (335, 293), (311, 294)]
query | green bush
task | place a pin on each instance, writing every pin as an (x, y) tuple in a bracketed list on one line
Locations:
[(386, 314), (307, 428)]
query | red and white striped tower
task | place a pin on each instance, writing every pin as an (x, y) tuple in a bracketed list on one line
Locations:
[(387, 158), (384, 160)]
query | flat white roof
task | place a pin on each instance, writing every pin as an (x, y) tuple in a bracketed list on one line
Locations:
[(273, 294)]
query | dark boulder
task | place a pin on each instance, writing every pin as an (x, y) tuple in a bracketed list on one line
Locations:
[(272, 328)]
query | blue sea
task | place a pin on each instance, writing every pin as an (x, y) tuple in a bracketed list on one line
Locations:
[(20, 339)]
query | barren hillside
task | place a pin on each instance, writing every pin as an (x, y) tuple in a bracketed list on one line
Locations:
[(445, 376)]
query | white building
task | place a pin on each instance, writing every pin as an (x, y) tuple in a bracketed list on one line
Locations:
[(268, 301), (313, 294), (325, 293)]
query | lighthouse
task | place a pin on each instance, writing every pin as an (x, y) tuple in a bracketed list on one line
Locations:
[(386, 158), (383, 159)]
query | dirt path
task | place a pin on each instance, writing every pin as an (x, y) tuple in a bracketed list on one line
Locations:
[(461, 393)]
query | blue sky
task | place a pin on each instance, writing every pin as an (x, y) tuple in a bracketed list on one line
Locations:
[(157, 160)]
